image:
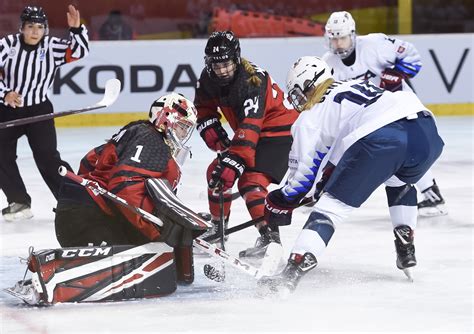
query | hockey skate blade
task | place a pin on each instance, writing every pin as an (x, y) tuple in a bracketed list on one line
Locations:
[(272, 259), (408, 274), (437, 211), (32, 299)]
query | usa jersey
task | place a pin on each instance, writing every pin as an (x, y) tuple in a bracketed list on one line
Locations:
[(347, 112), (373, 54)]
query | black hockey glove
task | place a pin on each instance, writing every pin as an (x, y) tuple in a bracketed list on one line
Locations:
[(214, 135), (228, 169), (277, 210), (327, 171)]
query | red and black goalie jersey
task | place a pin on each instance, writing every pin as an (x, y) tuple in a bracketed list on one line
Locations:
[(123, 164)]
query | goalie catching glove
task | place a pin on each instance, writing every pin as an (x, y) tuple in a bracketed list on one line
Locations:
[(228, 169), (214, 135)]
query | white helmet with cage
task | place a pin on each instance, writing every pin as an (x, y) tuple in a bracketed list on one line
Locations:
[(175, 116), (306, 73), (340, 34)]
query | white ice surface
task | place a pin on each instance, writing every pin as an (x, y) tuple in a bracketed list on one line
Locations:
[(355, 288)]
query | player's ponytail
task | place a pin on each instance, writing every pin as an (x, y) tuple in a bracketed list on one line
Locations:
[(318, 93), (250, 69)]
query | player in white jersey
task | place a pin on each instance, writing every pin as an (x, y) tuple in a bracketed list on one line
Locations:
[(388, 63), (358, 136)]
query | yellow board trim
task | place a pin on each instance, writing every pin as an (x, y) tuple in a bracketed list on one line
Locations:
[(405, 17), (457, 109), (120, 119), (106, 119)]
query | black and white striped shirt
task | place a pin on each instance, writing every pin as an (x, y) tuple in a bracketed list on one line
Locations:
[(30, 70)]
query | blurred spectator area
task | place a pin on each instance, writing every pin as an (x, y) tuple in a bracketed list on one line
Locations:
[(152, 19), (256, 24)]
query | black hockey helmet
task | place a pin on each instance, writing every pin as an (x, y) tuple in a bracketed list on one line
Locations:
[(221, 47), (33, 14)]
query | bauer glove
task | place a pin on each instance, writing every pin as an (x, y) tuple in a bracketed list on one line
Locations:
[(214, 135), (228, 169)]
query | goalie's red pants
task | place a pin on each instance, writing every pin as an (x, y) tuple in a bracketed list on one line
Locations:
[(252, 187)]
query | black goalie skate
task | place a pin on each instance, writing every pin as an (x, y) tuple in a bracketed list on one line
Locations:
[(286, 282)]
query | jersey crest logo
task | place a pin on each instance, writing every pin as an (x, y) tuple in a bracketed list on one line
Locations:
[(12, 53), (42, 54)]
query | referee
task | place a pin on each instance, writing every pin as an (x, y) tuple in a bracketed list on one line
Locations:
[(29, 60)]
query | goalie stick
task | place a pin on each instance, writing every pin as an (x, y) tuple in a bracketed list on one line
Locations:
[(197, 242), (112, 91)]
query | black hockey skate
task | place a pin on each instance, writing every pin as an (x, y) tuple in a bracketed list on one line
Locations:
[(433, 204), (261, 245), (213, 234), (17, 211), (405, 249), (285, 282)]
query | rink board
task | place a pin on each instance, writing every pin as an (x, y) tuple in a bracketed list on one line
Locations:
[(149, 69)]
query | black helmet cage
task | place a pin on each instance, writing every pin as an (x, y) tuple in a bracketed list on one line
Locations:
[(34, 14), (221, 47)]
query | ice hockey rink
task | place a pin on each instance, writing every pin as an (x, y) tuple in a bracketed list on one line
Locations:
[(355, 288)]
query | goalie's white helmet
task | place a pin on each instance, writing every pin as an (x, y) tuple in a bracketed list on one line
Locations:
[(340, 27), (175, 116), (306, 73)]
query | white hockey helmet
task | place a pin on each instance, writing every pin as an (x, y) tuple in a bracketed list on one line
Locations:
[(175, 116), (338, 26), (306, 73)]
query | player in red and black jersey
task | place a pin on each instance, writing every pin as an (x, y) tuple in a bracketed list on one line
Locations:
[(257, 112), (140, 150)]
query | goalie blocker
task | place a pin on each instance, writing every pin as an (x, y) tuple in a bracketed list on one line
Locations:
[(109, 273)]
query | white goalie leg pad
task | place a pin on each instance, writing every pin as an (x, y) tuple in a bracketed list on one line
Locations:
[(85, 274)]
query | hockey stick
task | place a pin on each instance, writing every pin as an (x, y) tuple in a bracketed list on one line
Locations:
[(252, 222), (112, 91), (98, 190), (210, 271), (197, 242)]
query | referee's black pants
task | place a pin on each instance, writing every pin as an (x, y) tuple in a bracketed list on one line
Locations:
[(42, 139)]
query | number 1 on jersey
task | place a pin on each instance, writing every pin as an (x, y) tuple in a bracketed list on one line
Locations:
[(137, 154)]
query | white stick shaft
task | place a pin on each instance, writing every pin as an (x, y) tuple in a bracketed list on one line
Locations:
[(112, 91), (226, 258)]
